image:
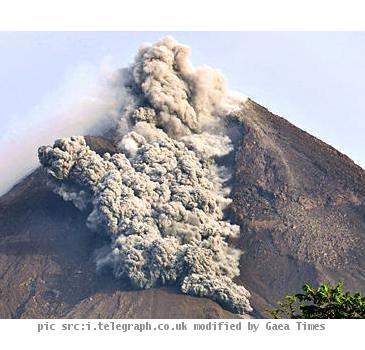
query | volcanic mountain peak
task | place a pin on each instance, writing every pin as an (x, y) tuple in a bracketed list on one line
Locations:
[(298, 201), (194, 190)]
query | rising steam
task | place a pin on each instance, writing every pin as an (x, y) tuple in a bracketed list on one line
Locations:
[(86, 102), (160, 198)]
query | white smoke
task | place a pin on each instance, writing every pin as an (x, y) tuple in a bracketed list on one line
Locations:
[(160, 199), (88, 101)]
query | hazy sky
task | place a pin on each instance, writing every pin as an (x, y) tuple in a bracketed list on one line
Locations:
[(315, 80)]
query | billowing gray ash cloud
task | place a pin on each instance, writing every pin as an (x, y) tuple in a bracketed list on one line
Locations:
[(160, 199)]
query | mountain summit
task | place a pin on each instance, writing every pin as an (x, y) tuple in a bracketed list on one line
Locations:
[(193, 202), (299, 204)]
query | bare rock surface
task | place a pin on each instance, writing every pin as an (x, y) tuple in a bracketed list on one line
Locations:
[(300, 204)]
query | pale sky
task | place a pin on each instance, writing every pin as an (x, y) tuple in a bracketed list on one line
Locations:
[(315, 80)]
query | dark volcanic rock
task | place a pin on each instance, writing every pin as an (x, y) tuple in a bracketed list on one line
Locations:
[(299, 202)]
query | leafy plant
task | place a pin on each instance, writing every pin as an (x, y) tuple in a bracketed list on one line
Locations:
[(326, 301)]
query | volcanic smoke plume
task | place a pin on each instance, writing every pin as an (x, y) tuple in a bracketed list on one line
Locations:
[(160, 199)]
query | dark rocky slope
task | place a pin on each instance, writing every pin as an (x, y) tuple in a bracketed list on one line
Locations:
[(301, 207), (300, 204)]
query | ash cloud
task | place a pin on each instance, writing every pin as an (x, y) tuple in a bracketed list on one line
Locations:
[(160, 199), (173, 95)]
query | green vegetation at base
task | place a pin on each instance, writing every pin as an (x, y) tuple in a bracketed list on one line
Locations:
[(326, 301)]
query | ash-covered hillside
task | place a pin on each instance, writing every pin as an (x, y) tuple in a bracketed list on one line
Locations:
[(197, 203)]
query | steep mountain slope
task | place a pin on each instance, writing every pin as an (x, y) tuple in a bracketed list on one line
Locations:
[(299, 202)]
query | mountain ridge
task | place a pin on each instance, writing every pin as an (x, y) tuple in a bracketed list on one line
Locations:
[(295, 197)]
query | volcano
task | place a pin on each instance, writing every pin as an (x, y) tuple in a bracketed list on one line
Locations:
[(190, 202), (299, 202)]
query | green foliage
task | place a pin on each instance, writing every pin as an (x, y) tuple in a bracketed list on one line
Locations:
[(326, 301)]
